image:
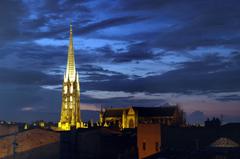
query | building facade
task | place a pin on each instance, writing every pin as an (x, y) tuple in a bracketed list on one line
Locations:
[(70, 112), (132, 116), (148, 139)]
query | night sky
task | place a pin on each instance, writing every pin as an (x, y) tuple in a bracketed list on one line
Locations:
[(128, 52)]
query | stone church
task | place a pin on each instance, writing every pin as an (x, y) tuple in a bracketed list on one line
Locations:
[(130, 117)]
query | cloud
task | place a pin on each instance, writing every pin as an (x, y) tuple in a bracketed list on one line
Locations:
[(94, 73), (10, 13), (106, 94), (187, 24), (116, 21), (120, 43), (136, 5), (229, 98), (210, 73), (17, 99), (121, 101), (27, 109), (133, 52), (136, 52), (92, 107), (27, 77)]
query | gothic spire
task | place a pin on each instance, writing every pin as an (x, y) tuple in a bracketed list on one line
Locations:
[(71, 69)]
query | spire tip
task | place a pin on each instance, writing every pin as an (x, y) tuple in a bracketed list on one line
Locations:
[(70, 27)]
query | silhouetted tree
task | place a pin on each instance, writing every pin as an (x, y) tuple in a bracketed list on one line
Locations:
[(215, 122)]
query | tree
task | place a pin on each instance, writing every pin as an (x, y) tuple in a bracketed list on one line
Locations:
[(215, 122)]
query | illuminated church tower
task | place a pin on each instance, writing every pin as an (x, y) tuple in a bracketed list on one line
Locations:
[(70, 113)]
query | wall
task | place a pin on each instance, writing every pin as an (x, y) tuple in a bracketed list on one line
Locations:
[(148, 139)]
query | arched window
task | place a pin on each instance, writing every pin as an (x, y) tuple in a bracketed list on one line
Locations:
[(131, 123)]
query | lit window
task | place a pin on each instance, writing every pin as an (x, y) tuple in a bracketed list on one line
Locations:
[(65, 89)]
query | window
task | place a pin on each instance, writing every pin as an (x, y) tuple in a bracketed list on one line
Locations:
[(65, 89), (157, 146), (144, 146)]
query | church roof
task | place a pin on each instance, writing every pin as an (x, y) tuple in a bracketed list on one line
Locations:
[(155, 111), (113, 112), (142, 111)]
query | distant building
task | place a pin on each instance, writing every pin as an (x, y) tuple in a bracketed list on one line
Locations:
[(132, 116), (70, 113), (37, 124)]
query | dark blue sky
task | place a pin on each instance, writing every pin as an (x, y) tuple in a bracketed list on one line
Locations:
[(128, 52)]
